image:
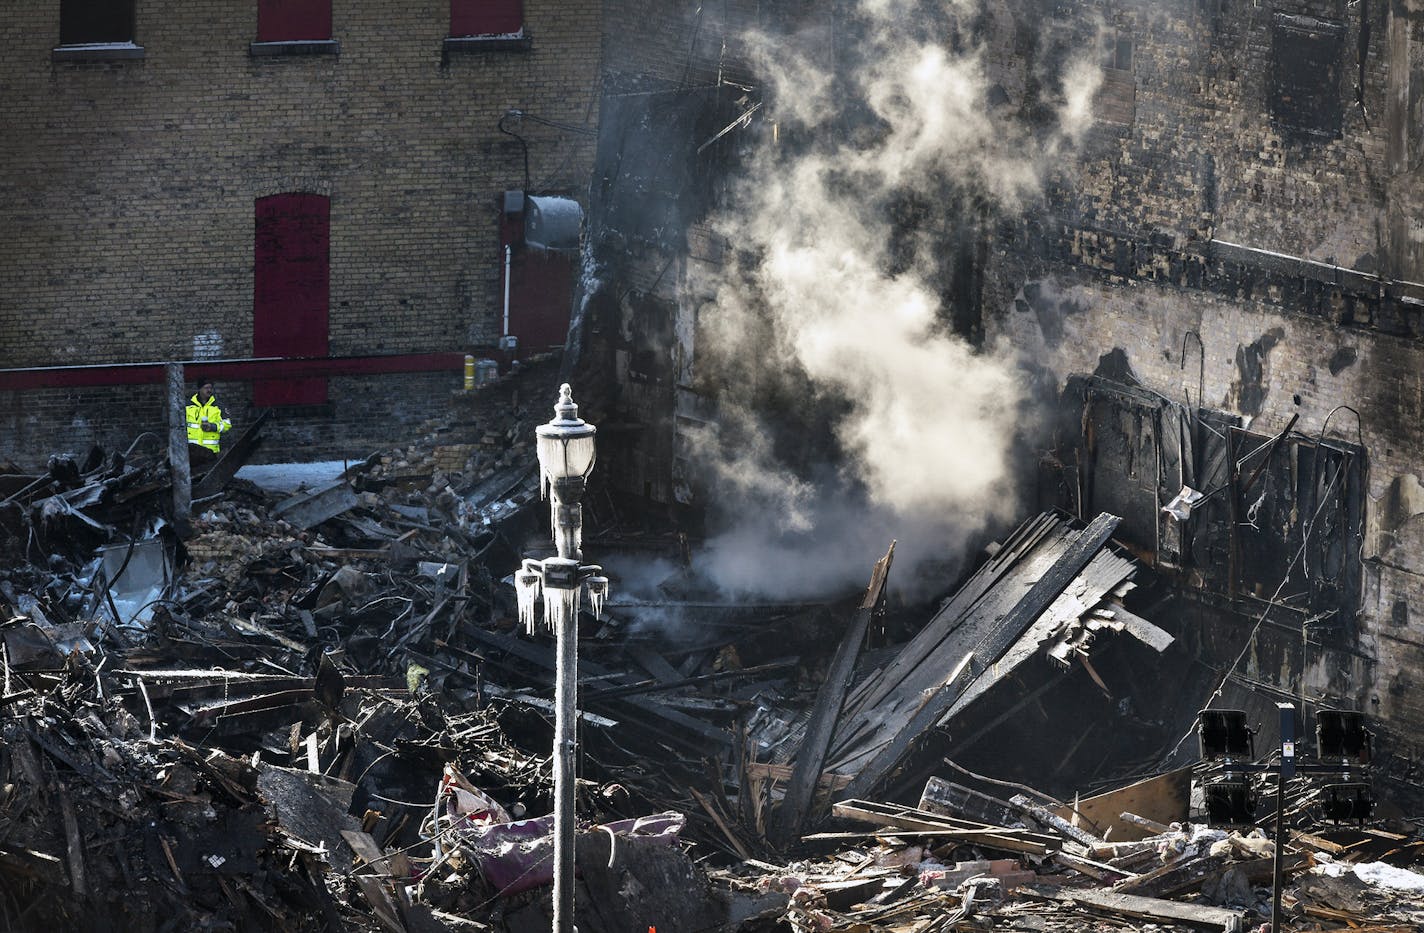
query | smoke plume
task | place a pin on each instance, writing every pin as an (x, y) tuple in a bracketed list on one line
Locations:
[(832, 309)]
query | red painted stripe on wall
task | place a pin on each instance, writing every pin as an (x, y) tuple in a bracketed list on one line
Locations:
[(64, 377)]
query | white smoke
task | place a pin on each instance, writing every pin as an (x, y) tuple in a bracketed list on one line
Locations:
[(927, 423)]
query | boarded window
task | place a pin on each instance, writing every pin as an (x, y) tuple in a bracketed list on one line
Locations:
[(1299, 525), (1306, 56), (290, 290), (293, 20), (486, 17), (1283, 520), (83, 22), (1116, 100)]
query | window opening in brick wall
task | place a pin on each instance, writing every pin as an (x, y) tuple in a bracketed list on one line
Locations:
[(1306, 57), (293, 20), (291, 291), (96, 22), (471, 18)]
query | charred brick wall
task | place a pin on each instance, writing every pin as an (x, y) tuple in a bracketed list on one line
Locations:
[(1192, 143), (676, 74), (655, 44), (1211, 205)]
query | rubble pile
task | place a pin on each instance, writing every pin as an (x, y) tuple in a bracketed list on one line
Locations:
[(316, 711)]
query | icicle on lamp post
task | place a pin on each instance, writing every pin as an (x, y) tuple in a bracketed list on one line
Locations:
[(566, 456)]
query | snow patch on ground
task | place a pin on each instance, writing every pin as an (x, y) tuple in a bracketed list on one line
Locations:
[(1387, 876), (1379, 874), (289, 477)]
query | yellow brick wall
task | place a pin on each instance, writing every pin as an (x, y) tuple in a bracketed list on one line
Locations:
[(127, 189)]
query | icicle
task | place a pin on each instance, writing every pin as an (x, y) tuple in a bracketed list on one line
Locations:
[(561, 605), (597, 593), (526, 588)]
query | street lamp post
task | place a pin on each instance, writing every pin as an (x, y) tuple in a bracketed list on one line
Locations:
[(566, 456)]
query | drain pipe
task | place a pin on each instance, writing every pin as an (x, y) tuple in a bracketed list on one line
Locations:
[(508, 258)]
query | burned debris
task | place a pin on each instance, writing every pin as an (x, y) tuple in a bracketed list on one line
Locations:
[(319, 711)]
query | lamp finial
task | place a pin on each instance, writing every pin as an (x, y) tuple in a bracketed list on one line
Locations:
[(565, 409)]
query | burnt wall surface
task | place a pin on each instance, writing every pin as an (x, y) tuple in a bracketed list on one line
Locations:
[(1241, 236), (676, 76)]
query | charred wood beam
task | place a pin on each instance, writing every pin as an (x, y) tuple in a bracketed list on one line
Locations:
[(657, 686), (178, 450), (1017, 621), (811, 756), (232, 460), (532, 653)]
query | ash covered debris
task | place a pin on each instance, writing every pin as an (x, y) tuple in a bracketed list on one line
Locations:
[(337, 723)]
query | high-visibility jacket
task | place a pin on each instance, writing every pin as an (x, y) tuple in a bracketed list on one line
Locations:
[(197, 414)]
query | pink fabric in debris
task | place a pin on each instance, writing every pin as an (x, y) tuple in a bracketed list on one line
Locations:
[(519, 855)]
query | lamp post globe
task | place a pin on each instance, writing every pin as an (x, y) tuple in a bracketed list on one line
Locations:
[(566, 456)]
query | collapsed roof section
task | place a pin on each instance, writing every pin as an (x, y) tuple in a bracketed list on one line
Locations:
[(1050, 589)]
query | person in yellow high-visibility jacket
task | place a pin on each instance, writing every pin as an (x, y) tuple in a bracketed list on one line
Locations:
[(206, 423)]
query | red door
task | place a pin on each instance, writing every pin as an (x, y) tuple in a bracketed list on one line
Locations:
[(290, 290), (541, 289)]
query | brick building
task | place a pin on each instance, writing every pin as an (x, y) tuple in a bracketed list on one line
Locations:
[(219, 181)]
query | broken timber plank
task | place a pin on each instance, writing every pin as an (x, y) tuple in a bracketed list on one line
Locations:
[(40, 866), (1049, 820), (721, 824), (1186, 876), (774, 772), (233, 459), (1317, 842), (307, 509), (653, 663), (77, 881), (396, 865), (1013, 840), (1093, 869), (950, 799), (1151, 908), (1024, 540), (811, 756), (1161, 799), (539, 655), (1044, 591), (382, 904)]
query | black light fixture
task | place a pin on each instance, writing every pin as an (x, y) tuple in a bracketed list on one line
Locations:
[(1349, 801), (1223, 734), (1230, 797), (1341, 733), (1230, 800)]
